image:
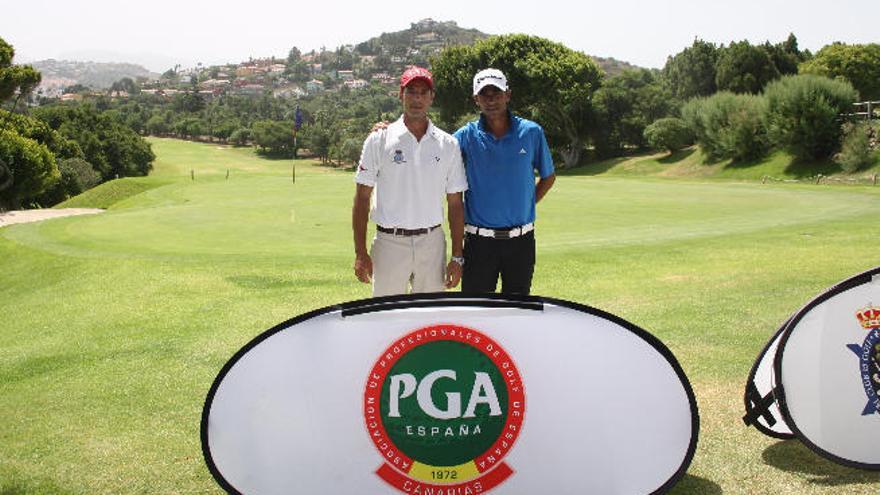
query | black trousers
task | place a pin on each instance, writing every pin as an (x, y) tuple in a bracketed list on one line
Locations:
[(485, 258)]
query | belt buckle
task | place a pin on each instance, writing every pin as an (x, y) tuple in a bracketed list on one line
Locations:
[(501, 234)]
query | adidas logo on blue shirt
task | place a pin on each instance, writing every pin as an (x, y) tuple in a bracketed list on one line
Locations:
[(522, 151)]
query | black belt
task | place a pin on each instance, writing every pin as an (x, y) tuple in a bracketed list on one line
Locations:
[(405, 232)]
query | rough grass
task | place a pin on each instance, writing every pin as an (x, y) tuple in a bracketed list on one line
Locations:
[(691, 163), (115, 325)]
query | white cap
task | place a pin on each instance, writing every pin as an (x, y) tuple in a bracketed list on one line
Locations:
[(489, 77)]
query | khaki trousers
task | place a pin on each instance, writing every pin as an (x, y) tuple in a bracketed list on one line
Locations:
[(401, 262)]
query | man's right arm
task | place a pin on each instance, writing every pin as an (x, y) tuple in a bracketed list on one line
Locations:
[(360, 212)]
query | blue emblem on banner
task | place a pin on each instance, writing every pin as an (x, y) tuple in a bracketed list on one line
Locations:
[(869, 359)]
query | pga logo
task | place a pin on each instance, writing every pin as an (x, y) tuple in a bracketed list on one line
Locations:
[(483, 392), (443, 405)]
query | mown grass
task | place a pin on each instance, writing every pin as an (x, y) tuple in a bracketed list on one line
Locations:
[(115, 325), (112, 192)]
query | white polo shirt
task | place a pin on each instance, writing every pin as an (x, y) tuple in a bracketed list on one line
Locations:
[(411, 178)]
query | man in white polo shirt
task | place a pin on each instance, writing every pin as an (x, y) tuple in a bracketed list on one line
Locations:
[(411, 164)]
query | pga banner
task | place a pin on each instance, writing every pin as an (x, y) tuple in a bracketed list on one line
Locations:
[(447, 394), (819, 377)]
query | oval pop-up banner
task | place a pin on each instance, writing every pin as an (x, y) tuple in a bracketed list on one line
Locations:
[(828, 372), (451, 395), (762, 411)]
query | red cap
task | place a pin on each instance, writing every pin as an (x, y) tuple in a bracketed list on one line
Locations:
[(413, 73)]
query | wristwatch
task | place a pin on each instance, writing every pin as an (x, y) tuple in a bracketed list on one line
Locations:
[(458, 259)]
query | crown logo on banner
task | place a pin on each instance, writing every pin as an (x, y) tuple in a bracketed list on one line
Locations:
[(869, 317)]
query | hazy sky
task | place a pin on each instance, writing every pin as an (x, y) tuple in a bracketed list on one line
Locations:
[(160, 33)]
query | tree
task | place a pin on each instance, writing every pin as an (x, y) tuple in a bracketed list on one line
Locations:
[(550, 83), (744, 68), (624, 106), (77, 176), (294, 55), (669, 133), (188, 101), (111, 147), (30, 165), (803, 113), (273, 138), (32, 128), (241, 136), (189, 127), (350, 150), (858, 64), (157, 125), (786, 55), (125, 84), (691, 72), (75, 88), (15, 78)]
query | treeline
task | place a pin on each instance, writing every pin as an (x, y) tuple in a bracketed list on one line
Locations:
[(738, 102), (60, 151), (333, 124), (742, 101)]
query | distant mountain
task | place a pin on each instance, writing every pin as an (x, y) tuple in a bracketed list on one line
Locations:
[(425, 37), (612, 66), (96, 75)]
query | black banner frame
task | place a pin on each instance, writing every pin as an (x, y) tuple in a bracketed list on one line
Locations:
[(863, 278)]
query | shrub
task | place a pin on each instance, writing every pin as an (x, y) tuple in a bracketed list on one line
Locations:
[(350, 150), (856, 151), (803, 114), (77, 176), (668, 134), (29, 164), (241, 136), (728, 125), (273, 137)]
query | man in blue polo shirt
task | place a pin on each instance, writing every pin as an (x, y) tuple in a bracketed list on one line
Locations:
[(501, 154)]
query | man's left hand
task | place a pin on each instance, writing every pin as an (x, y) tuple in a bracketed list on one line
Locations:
[(453, 274)]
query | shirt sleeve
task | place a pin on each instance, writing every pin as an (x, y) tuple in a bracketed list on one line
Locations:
[(543, 160), (459, 138), (456, 181), (368, 166)]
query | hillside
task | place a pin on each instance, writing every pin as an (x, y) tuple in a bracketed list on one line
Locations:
[(426, 38), (387, 52), (96, 75)]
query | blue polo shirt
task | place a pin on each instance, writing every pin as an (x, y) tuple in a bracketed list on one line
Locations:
[(501, 172)]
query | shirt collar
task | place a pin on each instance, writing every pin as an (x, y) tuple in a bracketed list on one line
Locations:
[(481, 123), (398, 128)]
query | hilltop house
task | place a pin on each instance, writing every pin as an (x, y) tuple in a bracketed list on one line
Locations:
[(292, 91), (356, 84), (314, 86)]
